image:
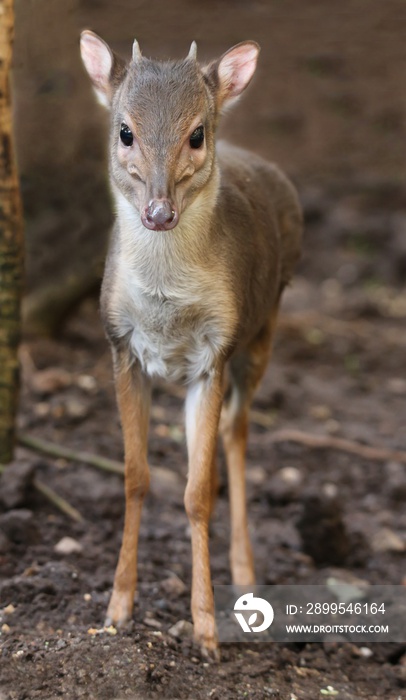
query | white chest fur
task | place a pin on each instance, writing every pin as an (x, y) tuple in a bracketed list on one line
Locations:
[(175, 312)]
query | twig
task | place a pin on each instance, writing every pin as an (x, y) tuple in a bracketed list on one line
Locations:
[(265, 420), (53, 497), (375, 453), (302, 322), (378, 454), (58, 501), (49, 448)]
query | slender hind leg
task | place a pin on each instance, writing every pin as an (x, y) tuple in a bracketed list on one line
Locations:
[(214, 484), (245, 371)]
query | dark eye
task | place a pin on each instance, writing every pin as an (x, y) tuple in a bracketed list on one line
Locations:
[(197, 138), (126, 135)]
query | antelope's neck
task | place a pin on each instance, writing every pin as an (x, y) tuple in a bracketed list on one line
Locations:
[(162, 259)]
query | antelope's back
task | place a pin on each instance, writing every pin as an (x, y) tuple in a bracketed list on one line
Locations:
[(261, 219), (273, 212)]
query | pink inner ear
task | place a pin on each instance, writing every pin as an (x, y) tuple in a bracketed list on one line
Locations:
[(97, 59), (237, 68)]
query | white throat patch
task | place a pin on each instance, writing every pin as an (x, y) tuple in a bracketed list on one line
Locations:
[(175, 311)]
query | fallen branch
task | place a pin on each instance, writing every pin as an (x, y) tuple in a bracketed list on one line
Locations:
[(371, 452), (265, 420), (53, 497), (377, 454), (58, 501), (364, 330), (374, 453), (53, 450)]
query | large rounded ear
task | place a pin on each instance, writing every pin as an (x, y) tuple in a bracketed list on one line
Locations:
[(105, 69), (231, 74)]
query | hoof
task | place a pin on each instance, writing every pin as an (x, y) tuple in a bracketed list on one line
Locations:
[(205, 636), (119, 611), (210, 653)]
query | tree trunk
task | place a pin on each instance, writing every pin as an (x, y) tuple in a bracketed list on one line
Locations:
[(11, 245)]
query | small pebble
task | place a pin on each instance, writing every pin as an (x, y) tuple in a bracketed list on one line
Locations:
[(49, 381), (9, 609), (385, 540), (343, 576), (42, 409), (151, 622), (291, 475), (161, 430), (87, 383), (365, 652), (330, 490), (284, 485), (397, 385), (182, 629), (67, 545), (329, 691), (173, 585), (75, 409)]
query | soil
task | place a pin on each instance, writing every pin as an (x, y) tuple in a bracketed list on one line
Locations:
[(337, 370)]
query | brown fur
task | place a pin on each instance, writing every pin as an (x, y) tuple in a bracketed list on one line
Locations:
[(198, 303)]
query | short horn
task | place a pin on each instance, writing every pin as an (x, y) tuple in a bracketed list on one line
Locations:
[(192, 51), (136, 51)]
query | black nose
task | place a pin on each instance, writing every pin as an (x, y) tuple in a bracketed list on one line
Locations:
[(160, 215)]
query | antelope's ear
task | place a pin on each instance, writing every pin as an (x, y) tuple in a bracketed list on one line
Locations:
[(231, 74), (105, 69)]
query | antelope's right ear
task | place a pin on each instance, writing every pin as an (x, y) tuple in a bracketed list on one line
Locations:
[(104, 67)]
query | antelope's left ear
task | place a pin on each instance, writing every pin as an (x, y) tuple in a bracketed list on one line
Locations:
[(231, 74)]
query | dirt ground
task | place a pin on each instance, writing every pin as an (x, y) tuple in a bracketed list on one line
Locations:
[(337, 371)]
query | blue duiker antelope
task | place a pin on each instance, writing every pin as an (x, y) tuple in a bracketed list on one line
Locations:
[(205, 240)]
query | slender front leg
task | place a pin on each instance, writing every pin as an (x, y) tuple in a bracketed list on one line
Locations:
[(203, 406), (133, 395)]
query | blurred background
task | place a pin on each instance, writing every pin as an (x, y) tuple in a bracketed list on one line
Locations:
[(327, 104)]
